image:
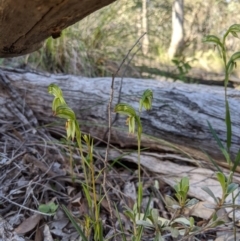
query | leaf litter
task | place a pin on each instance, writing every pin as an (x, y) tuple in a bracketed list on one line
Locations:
[(33, 172)]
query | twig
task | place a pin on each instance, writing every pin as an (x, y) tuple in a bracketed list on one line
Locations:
[(110, 123), (129, 51), (23, 207), (120, 88)]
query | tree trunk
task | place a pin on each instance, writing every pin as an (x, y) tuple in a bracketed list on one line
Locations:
[(145, 41), (179, 115), (177, 39)]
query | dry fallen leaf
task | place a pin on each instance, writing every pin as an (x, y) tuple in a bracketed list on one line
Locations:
[(39, 234), (28, 224), (200, 210)]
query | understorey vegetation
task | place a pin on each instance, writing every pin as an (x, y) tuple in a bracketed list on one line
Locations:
[(60, 183), (145, 220)]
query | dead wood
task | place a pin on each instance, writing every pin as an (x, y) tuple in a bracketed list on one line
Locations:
[(25, 26), (179, 116)]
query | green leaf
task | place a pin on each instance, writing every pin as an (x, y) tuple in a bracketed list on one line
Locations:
[(174, 232), (229, 70), (125, 109), (54, 90), (234, 34), (231, 188), (178, 196), (182, 193), (176, 61), (191, 202), (74, 223), (170, 201), (48, 208), (229, 178), (53, 207), (145, 224), (234, 28), (158, 237), (120, 224), (214, 217), (222, 180), (226, 155), (163, 222), (231, 62), (210, 193), (146, 100), (130, 215), (185, 189), (44, 208), (213, 39), (213, 162), (216, 223), (220, 52), (65, 112), (154, 215), (177, 187), (182, 220), (215, 136), (191, 220), (236, 161), (185, 183)]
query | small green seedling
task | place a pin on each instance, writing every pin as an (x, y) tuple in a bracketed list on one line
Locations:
[(227, 188), (181, 189), (49, 208), (180, 226)]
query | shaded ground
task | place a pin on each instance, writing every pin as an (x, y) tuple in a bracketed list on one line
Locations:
[(35, 170)]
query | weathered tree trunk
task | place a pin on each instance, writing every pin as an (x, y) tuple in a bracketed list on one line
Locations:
[(145, 42), (179, 115), (177, 39)]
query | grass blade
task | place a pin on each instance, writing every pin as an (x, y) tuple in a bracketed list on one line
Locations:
[(236, 161), (213, 162), (121, 225), (76, 226), (215, 136), (210, 193)]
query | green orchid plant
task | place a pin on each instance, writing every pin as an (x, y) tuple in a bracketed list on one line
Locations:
[(62, 110), (134, 122)]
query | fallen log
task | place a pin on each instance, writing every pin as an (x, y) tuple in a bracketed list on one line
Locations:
[(179, 115)]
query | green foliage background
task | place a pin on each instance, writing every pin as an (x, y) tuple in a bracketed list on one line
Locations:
[(96, 45)]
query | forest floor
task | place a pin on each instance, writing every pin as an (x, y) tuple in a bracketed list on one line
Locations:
[(41, 174)]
